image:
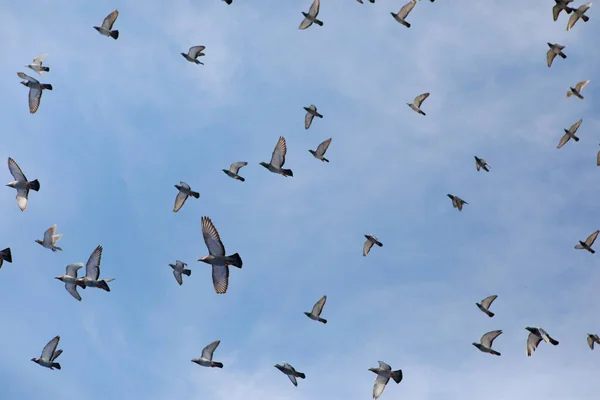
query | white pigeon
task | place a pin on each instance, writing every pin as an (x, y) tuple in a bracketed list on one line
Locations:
[(317, 309), (21, 184), (205, 359), (311, 17), (384, 373), (178, 269), (70, 279), (37, 66), (49, 355), (50, 239)]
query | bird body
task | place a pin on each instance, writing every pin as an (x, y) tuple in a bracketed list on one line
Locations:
[(50, 239), (555, 50), (278, 159), (560, 6), (234, 169), (577, 13), (321, 149), (37, 65), (49, 355), (576, 91), (570, 134), (92, 272), (587, 245), (316, 311), (536, 335), (311, 16), (21, 184), (70, 279), (35, 91), (311, 112), (591, 339), (485, 305), (416, 104), (107, 24), (401, 15), (384, 373), (480, 163), (5, 255), (185, 191), (291, 372), (178, 270), (193, 53), (457, 202), (371, 240), (485, 343), (206, 359)]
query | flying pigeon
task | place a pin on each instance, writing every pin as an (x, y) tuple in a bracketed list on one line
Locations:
[(107, 25), (579, 13), (591, 339), (316, 311), (37, 66), (290, 371), (481, 163), (217, 258), (384, 373), (278, 159), (230, 1), (234, 169), (21, 184), (536, 335), (587, 245), (311, 112), (486, 341), (321, 149), (70, 279), (361, 1), (35, 91), (570, 133), (371, 240), (576, 91), (193, 53), (184, 192), (416, 104), (92, 272), (457, 202), (311, 16), (207, 355), (485, 305), (50, 239), (49, 355), (598, 159), (179, 269), (559, 6), (5, 255), (555, 50), (401, 15)]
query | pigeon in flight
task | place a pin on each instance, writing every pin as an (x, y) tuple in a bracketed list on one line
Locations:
[(555, 50), (92, 272), (107, 24), (5, 255), (70, 279), (576, 91), (217, 258), (316, 311), (559, 6), (485, 305), (485, 344), (50, 239), (290, 372), (193, 53), (311, 17), (321, 149), (234, 169), (184, 192), (205, 359), (536, 335), (384, 373), (278, 159), (401, 15), (416, 104), (37, 66), (35, 90), (231, 1), (311, 112), (361, 1), (49, 355), (481, 163), (457, 202), (570, 133), (371, 240), (21, 184), (587, 245), (178, 269), (579, 13), (591, 339), (598, 159)]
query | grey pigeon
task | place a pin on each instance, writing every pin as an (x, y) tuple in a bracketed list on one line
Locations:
[(92, 272), (311, 112), (290, 372), (107, 24), (416, 104), (591, 339), (70, 279), (401, 15), (184, 192), (50, 239), (21, 184), (35, 90), (384, 373), (587, 245), (49, 355), (559, 6), (317, 309), (576, 91), (234, 170), (5, 255), (536, 335), (371, 240), (321, 149), (485, 305), (485, 344), (481, 163), (193, 53), (37, 65), (278, 159), (555, 50), (579, 13), (205, 359), (457, 202), (311, 17), (570, 133), (178, 269), (217, 258)]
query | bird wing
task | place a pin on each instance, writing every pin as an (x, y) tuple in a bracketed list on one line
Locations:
[(22, 198), (487, 302), (385, 366), (235, 167), (308, 120), (207, 352), (318, 307), (305, 24), (178, 277), (180, 263), (477, 163), (323, 147), (73, 268), (278, 156), (35, 97), (220, 277), (72, 289), (406, 9), (179, 201), (293, 379), (572, 20), (49, 234), (581, 85), (583, 8), (50, 348), (367, 247), (555, 11), (598, 159), (110, 20), (532, 343), (590, 341), (15, 171), (420, 99), (575, 126), (212, 238), (27, 77), (38, 60), (314, 8), (195, 51), (591, 239), (488, 338), (92, 268), (379, 385), (550, 56), (563, 140), (56, 354)]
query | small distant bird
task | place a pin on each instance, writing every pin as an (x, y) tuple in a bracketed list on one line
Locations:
[(234, 169), (278, 159), (321, 149), (486, 341), (559, 6), (217, 258), (311, 17), (481, 163), (70, 279), (457, 202), (598, 159), (536, 335), (361, 1), (49, 354), (92, 272), (579, 13), (107, 24), (193, 53), (570, 133), (37, 66), (311, 112), (231, 1), (555, 50), (416, 104), (205, 359), (50, 239), (371, 240), (485, 305), (316, 311), (5, 255), (576, 91), (21, 184), (35, 91), (179, 269), (587, 245), (384, 373), (290, 372), (401, 15), (184, 192), (591, 339)]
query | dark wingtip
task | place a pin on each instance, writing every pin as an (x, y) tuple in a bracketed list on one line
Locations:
[(301, 375)]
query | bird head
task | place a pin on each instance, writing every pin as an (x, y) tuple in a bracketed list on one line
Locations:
[(178, 187), (475, 344), (375, 370), (196, 360), (60, 278), (279, 367), (39, 241), (307, 314), (264, 164), (35, 360), (312, 152), (205, 259), (530, 329), (305, 14)]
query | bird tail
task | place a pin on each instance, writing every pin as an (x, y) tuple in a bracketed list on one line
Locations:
[(592, 250), (397, 376), (287, 172), (326, 160), (234, 260), (318, 115), (195, 194), (217, 364), (187, 272), (46, 86), (34, 185), (423, 113), (494, 352), (569, 10), (406, 24), (585, 18), (320, 23), (554, 342), (378, 243), (103, 285), (239, 178), (114, 34), (56, 365), (301, 375), (563, 55), (489, 313), (6, 255), (575, 138), (45, 69), (323, 320)]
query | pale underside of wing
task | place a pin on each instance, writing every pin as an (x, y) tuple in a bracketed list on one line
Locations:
[(22, 195), (367, 247), (92, 267), (420, 99), (38, 60), (50, 348), (555, 11), (379, 385), (487, 302), (178, 277), (278, 156), (550, 56), (406, 9), (305, 24), (212, 238), (575, 126), (195, 51), (590, 341), (35, 97), (308, 120), (15, 170), (27, 77), (179, 201), (110, 20), (314, 8), (72, 269), (592, 238), (207, 352), (532, 343), (323, 147), (318, 307), (72, 289), (235, 167), (488, 338), (563, 140), (581, 85), (293, 379), (220, 276), (49, 234)]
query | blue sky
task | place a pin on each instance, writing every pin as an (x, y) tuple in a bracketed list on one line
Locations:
[(128, 119)]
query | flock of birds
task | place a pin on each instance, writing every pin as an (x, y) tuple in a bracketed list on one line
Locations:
[(218, 258)]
